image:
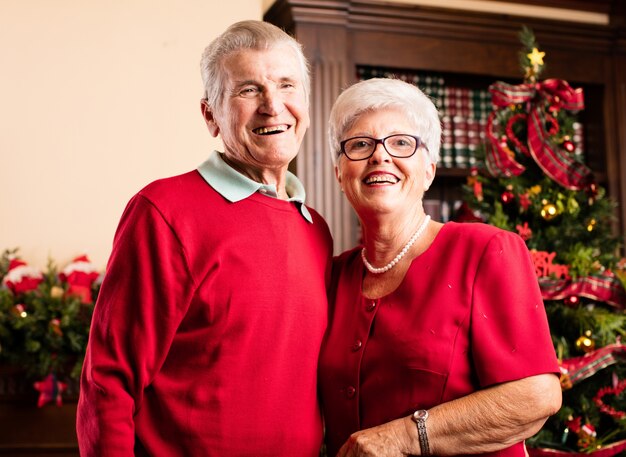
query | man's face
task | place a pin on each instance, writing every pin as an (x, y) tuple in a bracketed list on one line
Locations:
[(263, 114)]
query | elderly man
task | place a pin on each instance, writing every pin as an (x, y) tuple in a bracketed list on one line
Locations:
[(207, 330)]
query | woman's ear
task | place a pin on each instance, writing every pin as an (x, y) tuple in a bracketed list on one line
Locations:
[(207, 114), (338, 176), (429, 175)]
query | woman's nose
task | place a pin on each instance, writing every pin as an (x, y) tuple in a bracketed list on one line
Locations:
[(380, 154)]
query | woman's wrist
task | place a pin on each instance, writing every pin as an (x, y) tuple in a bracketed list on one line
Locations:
[(412, 440)]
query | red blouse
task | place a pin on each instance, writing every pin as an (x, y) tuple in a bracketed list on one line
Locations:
[(468, 314)]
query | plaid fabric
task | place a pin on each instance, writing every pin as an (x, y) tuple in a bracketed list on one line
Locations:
[(604, 287), (559, 165)]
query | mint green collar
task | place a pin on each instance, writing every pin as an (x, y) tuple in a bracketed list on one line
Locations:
[(234, 186)]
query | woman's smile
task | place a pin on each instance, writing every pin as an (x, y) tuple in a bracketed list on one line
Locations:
[(379, 178)]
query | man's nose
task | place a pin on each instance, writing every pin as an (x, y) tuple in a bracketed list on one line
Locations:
[(271, 103)]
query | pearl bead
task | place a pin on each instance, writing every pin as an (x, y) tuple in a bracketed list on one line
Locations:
[(396, 259)]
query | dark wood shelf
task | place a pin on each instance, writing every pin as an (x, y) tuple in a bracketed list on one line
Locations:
[(452, 172)]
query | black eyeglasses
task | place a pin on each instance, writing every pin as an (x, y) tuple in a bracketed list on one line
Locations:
[(399, 145)]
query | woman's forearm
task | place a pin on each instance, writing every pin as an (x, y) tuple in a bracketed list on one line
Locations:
[(494, 418), (484, 421)]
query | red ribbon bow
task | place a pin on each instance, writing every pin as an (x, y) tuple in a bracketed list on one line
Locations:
[(557, 164)]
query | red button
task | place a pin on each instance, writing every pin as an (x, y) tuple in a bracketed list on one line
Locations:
[(371, 306), (350, 391), (357, 345)]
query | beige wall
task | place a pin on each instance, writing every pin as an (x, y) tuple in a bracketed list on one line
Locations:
[(97, 98)]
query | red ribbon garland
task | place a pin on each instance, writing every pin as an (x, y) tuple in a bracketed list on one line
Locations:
[(604, 287), (606, 451), (557, 164), (580, 368)]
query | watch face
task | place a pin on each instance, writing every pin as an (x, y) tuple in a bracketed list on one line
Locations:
[(420, 415)]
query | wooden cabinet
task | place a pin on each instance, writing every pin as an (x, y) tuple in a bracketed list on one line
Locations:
[(29, 431), (340, 35)]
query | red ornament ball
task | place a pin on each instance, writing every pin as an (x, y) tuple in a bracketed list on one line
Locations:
[(569, 146), (572, 301), (507, 196)]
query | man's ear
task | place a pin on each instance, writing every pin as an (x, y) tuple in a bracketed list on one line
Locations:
[(207, 114)]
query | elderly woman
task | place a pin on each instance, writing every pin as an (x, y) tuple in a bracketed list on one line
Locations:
[(438, 341)]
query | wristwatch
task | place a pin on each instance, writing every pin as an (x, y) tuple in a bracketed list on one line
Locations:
[(419, 417)]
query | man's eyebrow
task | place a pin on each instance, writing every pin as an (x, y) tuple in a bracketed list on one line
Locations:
[(290, 78), (245, 82)]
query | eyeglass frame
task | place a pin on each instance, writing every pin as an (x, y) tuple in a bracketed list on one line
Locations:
[(377, 141)]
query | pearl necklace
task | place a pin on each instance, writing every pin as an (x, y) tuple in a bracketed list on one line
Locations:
[(397, 258)]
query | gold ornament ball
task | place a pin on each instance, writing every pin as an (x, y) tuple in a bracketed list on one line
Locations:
[(57, 292), (585, 343), (591, 225), (549, 211)]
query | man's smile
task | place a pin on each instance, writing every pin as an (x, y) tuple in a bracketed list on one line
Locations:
[(271, 130)]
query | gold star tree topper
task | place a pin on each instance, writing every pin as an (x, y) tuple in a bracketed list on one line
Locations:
[(536, 57), (536, 60)]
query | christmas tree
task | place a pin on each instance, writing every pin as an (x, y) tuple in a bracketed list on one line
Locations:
[(533, 181)]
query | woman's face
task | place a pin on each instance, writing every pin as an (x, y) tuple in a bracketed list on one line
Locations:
[(382, 183)]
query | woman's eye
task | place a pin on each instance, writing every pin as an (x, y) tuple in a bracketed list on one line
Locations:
[(402, 143), (360, 144)]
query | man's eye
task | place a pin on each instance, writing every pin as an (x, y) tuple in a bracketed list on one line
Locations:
[(248, 91)]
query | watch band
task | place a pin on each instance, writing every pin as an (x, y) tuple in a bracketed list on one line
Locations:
[(419, 417)]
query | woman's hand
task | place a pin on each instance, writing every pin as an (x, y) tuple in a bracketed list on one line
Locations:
[(393, 439)]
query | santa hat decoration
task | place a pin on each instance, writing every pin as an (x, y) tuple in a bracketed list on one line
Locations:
[(80, 276), (22, 277)]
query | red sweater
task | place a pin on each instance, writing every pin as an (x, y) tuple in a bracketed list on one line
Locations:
[(207, 329)]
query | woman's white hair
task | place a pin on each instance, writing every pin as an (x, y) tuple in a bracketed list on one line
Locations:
[(380, 93), (257, 35)]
